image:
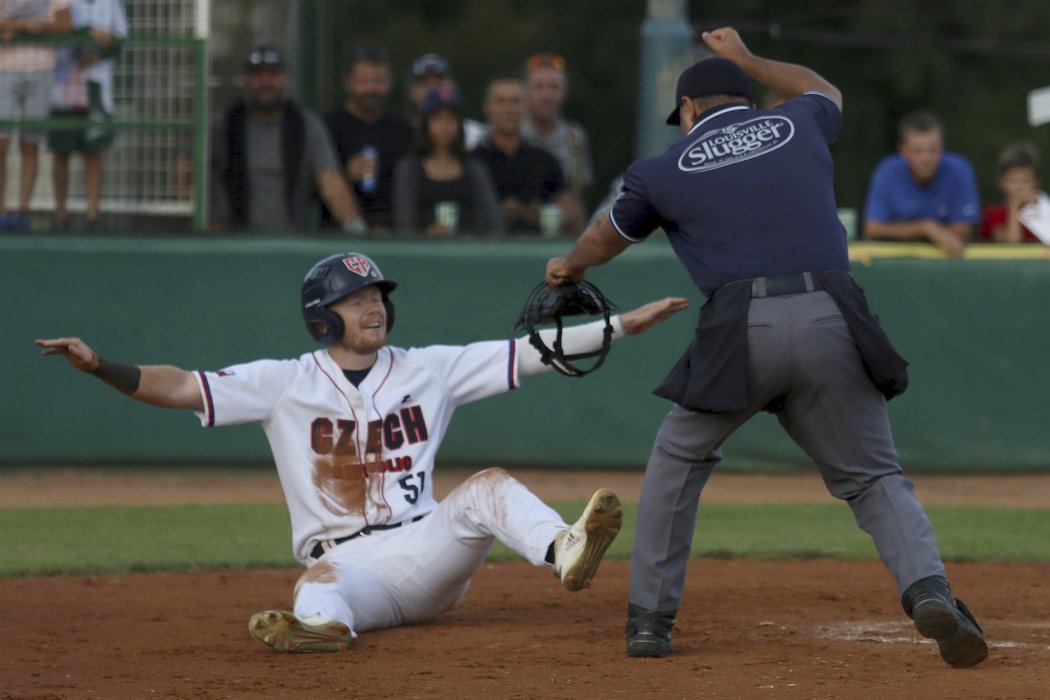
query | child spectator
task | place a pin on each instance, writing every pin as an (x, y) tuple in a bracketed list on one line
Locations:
[(1024, 216)]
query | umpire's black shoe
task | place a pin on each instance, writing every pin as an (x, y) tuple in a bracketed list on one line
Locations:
[(648, 632), (940, 616)]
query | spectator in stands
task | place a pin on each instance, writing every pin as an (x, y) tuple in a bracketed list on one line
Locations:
[(270, 157), (83, 90), (25, 91), (1024, 216), (441, 189), (369, 139), (429, 72), (547, 86), (923, 192), (526, 176)]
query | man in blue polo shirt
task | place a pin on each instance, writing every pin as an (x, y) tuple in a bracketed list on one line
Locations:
[(747, 203), (922, 192)]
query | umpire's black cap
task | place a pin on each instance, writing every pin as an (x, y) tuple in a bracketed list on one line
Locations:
[(711, 76)]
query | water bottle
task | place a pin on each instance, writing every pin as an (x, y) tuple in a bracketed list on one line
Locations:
[(368, 182)]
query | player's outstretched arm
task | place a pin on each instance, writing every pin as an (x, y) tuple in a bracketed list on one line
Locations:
[(159, 385), (645, 317), (588, 337)]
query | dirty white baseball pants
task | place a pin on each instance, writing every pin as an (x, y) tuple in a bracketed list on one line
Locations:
[(414, 572)]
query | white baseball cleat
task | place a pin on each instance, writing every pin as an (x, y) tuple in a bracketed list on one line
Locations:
[(283, 631), (579, 550)]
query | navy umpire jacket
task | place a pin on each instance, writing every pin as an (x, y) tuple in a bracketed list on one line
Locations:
[(748, 193)]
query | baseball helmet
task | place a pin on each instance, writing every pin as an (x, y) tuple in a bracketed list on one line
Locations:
[(547, 306), (332, 279)]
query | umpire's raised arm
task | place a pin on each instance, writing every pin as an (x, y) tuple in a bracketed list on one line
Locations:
[(786, 79)]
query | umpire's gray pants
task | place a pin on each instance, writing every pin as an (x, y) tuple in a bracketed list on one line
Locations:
[(800, 353)]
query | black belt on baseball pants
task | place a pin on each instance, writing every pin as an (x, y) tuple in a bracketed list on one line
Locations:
[(319, 549), (788, 284)]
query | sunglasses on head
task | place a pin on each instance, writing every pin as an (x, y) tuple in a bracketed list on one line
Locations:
[(546, 60), (265, 57)]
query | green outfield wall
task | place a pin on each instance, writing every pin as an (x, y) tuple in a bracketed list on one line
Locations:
[(975, 331)]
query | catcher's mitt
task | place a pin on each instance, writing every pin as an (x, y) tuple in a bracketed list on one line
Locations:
[(547, 306)]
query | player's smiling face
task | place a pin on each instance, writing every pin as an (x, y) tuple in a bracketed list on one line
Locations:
[(364, 320)]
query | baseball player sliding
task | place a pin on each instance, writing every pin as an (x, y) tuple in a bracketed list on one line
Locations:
[(354, 429)]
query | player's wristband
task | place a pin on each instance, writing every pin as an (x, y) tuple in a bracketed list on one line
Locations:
[(355, 227), (124, 378)]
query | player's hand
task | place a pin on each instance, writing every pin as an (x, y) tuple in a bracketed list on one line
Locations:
[(645, 317), (73, 349), (559, 272), (725, 42)]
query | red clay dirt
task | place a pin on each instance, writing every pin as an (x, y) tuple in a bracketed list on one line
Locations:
[(747, 629)]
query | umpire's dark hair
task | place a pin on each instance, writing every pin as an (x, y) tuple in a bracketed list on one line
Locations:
[(1020, 155), (367, 53), (921, 120)]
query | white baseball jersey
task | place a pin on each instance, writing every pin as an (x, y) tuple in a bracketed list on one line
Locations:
[(348, 456)]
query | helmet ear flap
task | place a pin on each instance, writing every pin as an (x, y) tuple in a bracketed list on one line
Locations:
[(326, 327)]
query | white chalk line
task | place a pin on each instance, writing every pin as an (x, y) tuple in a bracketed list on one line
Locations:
[(903, 633)]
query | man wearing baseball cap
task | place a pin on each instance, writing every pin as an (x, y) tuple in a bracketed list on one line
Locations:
[(430, 72), (272, 158), (747, 201), (713, 76)]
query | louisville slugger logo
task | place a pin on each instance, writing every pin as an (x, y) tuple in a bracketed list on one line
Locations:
[(358, 264), (736, 143)]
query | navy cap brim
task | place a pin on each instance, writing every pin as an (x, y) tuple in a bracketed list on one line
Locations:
[(674, 118)]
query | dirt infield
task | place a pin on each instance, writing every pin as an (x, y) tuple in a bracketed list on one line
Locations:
[(748, 629)]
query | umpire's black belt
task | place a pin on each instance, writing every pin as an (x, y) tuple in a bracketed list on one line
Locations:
[(321, 547), (788, 284)]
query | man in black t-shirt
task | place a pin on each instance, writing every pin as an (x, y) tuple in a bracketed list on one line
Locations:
[(368, 139), (526, 176)]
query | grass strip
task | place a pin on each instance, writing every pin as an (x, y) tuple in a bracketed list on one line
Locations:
[(122, 539)]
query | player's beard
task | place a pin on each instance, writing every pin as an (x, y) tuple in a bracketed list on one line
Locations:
[(364, 341)]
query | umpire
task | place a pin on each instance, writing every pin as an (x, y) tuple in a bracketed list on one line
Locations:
[(746, 201)]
